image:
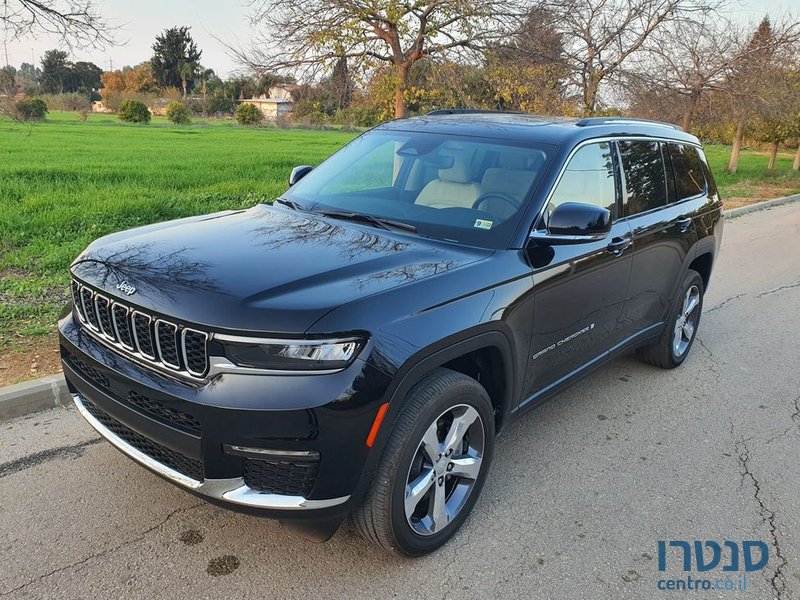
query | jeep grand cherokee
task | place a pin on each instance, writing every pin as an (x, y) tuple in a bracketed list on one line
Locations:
[(355, 347)]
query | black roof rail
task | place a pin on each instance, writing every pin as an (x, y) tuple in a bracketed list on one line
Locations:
[(591, 121), (468, 111)]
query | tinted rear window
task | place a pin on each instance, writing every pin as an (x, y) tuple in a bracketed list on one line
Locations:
[(645, 179), (688, 167)]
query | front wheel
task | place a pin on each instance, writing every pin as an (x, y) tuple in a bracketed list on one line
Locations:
[(676, 340), (433, 467)]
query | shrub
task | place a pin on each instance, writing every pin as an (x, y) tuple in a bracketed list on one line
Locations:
[(248, 114), (220, 105), (361, 116), (31, 109), (178, 113), (133, 111), (67, 102)]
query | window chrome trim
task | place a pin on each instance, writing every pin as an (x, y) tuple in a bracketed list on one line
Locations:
[(232, 490), (598, 140), (176, 367)]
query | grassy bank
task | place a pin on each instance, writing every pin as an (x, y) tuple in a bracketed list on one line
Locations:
[(63, 183)]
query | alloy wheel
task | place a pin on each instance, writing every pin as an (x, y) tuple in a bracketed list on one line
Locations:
[(686, 323), (444, 469)]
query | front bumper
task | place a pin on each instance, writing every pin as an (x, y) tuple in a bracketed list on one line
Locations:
[(232, 490), (216, 438)]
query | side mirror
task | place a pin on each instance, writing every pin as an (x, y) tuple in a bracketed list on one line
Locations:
[(298, 173), (575, 223)]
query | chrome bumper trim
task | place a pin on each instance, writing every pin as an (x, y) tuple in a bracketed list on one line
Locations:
[(231, 490)]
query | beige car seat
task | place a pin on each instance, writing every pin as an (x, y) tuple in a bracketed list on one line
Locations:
[(512, 177), (452, 188)]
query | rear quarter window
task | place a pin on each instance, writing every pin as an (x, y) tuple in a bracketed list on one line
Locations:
[(689, 170)]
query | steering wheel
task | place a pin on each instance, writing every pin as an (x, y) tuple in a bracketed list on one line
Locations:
[(507, 198)]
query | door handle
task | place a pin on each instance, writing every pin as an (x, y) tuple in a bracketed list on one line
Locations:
[(683, 224), (618, 245)]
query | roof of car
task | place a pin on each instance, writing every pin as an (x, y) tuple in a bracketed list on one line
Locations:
[(535, 128)]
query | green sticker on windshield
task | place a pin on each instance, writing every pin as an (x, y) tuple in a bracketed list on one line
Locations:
[(483, 224)]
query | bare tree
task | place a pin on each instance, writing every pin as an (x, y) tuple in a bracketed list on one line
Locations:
[(315, 34), (601, 35), (710, 57), (692, 58), (77, 23)]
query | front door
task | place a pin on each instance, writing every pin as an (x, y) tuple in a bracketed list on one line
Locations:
[(580, 289)]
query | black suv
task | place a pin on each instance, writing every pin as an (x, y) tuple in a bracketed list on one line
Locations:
[(355, 347)]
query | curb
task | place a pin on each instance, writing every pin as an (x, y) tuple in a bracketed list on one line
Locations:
[(33, 396), (743, 210), (40, 394)]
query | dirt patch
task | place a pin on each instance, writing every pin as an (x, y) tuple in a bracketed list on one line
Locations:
[(761, 192), (29, 358)]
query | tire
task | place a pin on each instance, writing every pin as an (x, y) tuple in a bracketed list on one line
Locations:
[(431, 407), (666, 352)]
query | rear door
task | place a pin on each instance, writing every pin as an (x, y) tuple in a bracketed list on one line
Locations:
[(658, 207)]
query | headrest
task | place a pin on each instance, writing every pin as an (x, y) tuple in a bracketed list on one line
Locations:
[(513, 160), (458, 173)]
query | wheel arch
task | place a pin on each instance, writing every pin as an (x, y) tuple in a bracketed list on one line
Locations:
[(486, 356), (703, 263)]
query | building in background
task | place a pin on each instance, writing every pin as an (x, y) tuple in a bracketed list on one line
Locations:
[(275, 105)]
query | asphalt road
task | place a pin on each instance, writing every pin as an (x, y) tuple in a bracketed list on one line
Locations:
[(580, 492)]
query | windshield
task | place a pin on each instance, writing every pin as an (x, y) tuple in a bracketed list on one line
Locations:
[(454, 188)]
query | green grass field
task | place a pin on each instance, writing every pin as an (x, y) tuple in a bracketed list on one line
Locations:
[(64, 183)]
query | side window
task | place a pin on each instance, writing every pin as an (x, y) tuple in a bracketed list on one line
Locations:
[(588, 179), (645, 176), (688, 167)]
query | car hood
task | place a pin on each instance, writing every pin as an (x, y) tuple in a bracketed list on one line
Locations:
[(262, 270)]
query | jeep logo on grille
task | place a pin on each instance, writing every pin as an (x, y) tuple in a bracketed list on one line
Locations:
[(126, 288)]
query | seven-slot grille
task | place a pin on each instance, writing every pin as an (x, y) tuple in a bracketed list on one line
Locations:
[(155, 341)]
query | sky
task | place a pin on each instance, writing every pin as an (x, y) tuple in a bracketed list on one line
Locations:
[(141, 20)]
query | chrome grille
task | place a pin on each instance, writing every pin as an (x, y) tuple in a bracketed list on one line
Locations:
[(143, 334), (102, 307), (157, 342), (194, 351), (89, 311), (122, 326), (167, 343)]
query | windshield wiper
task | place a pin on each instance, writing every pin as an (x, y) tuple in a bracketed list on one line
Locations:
[(379, 222), (289, 203)]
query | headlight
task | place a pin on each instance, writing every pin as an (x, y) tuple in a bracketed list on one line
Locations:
[(292, 355)]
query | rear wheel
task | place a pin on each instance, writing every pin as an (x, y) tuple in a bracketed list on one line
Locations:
[(433, 467), (674, 343)]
